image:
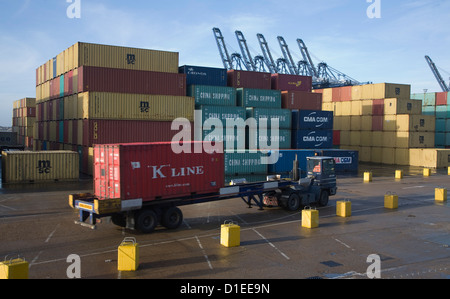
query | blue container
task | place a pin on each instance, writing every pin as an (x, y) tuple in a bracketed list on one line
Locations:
[(441, 124), (429, 110), (285, 161), (346, 160), (443, 111), (61, 86), (447, 125), (312, 139), (312, 120), (54, 67), (61, 132), (199, 75)]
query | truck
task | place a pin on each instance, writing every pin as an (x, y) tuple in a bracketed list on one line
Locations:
[(141, 186)]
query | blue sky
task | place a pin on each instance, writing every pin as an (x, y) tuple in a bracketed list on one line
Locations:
[(339, 32)]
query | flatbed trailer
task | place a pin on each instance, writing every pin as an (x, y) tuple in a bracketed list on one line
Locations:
[(287, 193)]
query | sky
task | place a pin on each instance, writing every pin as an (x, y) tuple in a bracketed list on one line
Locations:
[(339, 32)]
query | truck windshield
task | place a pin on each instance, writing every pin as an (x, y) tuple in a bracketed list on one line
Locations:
[(314, 165), (328, 166)]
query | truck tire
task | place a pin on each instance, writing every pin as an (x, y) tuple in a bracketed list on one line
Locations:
[(146, 221), (119, 220), (293, 203), (323, 198), (172, 218)]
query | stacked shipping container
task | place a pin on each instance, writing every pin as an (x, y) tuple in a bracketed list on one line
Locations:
[(24, 117)]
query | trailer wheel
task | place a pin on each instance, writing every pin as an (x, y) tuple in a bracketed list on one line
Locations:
[(323, 199), (293, 202), (146, 221), (172, 218), (119, 220)]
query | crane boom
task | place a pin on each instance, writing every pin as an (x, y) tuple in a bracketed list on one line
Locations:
[(266, 53), (246, 56), (222, 49), (307, 58), (287, 56), (436, 73)]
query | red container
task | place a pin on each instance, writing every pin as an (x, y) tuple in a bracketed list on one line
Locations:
[(301, 100), (246, 79), (130, 81), (127, 131), (291, 82), (377, 123), (441, 98), (378, 107), (152, 171), (336, 137), (342, 94)]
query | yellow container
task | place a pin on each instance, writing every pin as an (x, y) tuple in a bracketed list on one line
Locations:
[(119, 106), (390, 90), (394, 106), (415, 139), (402, 156), (416, 123), (391, 201), (426, 172), (14, 269), (440, 194), (367, 177), (344, 208), (310, 218), (128, 255), (230, 234), (398, 174), (388, 155)]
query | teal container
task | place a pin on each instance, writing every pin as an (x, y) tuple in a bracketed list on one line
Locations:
[(447, 139), (429, 99), (61, 109), (268, 136), (249, 178), (222, 112), (232, 140), (61, 131), (440, 139), (441, 125), (429, 110), (212, 95), (418, 96), (259, 98), (61, 86), (443, 111), (447, 125), (283, 115), (240, 163)]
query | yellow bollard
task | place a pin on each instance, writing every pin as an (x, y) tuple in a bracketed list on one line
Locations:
[(230, 234), (14, 269), (310, 218), (449, 171), (399, 174), (391, 201), (440, 194), (426, 172), (367, 177), (128, 255), (344, 208)]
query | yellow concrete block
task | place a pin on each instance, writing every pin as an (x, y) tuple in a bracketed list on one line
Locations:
[(367, 177), (440, 194), (128, 255), (426, 172), (230, 234), (14, 269), (310, 218), (398, 174), (391, 201), (344, 208)]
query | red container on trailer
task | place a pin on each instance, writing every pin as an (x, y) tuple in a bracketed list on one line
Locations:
[(247, 79), (152, 171), (130, 81), (291, 82), (301, 100)]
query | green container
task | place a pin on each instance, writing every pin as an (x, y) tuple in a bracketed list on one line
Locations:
[(284, 116), (262, 98), (233, 140), (429, 110), (441, 125), (268, 136), (443, 111), (239, 163), (250, 178), (430, 99), (212, 95), (222, 112), (418, 96)]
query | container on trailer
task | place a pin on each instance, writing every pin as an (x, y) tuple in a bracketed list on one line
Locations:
[(212, 95), (291, 82), (248, 79), (143, 172), (284, 165), (262, 98), (312, 119), (346, 160), (200, 75), (244, 162)]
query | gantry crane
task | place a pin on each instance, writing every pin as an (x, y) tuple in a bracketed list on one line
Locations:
[(436, 73)]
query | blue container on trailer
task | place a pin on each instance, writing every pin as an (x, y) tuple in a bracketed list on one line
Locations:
[(312, 139), (443, 111), (285, 161), (312, 120), (199, 75), (61, 86), (346, 160)]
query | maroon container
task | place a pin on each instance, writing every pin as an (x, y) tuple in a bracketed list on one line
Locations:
[(152, 171), (377, 123), (130, 81), (301, 100), (126, 131), (378, 107), (441, 98), (246, 79), (291, 82), (336, 137)]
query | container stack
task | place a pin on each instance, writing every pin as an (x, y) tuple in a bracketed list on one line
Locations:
[(97, 94), (380, 121), (24, 117)]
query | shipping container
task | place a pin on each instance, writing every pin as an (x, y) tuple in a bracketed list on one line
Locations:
[(264, 117), (402, 106), (102, 79), (429, 110), (120, 106), (441, 125), (199, 75), (8, 139), (24, 167), (266, 138), (212, 95), (432, 158), (222, 113), (388, 90), (429, 99), (244, 162), (415, 139), (346, 160), (342, 94), (129, 131), (259, 98), (228, 136), (301, 100), (416, 123), (312, 139), (441, 98), (443, 111), (247, 79), (145, 172), (285, 163), (312, 120), (289, 82)]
